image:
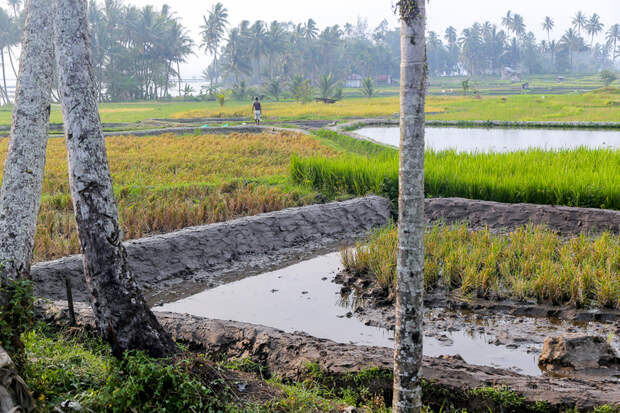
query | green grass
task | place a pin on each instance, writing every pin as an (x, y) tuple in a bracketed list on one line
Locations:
[(600, 105), (581, 177), (529, 263)]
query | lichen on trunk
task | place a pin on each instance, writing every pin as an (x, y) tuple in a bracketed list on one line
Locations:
[(123, 317)]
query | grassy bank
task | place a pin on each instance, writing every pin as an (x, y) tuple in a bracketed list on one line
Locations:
[(529, 263), (582, 177), (600, 105), (169, 182), (70, 365)]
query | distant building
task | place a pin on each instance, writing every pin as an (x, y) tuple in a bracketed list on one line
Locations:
[(384, 79), (511, 74), (354, 81)]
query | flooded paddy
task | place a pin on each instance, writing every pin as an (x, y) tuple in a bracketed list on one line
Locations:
[(500, 140), (303, 297)]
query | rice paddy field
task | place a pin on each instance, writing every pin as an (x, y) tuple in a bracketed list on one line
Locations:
[(170, 182), (582, 177), (601, 105), (530, 263)]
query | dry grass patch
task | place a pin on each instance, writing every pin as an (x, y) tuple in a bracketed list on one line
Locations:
[(170, 182)]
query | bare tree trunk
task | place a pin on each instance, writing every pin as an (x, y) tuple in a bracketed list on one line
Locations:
[(123, 316), (410, 270), (20, 197)]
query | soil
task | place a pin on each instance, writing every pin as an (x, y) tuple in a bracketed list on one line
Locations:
[(288, 355)]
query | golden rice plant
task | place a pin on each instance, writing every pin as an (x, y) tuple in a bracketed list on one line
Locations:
[(529, 263)]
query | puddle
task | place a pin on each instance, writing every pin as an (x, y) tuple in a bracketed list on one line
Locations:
[(303, 297), (501, 140)]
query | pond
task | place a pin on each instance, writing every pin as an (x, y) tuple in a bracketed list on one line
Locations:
[(501, 140), (302, 297)]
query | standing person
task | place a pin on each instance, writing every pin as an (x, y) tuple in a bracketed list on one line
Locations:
[(257, 111)]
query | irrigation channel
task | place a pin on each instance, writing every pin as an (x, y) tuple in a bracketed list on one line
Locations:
[(304, 297), (500, 139)]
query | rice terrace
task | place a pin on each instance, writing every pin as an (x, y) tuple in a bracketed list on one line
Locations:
[(233, 207)]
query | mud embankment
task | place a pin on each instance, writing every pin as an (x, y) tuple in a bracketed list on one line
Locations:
[(206, 255), (288, 355), (502, 217)]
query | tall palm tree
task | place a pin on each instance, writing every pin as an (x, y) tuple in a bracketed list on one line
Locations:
[(257, 42), (507, 21), (274, 44), (5, 41), (571, 40), (580, 21), (518, 25), (594, 27), (547, 26), (310, 29), (410, 268), (613, 37), (213, 31), (15, 5)]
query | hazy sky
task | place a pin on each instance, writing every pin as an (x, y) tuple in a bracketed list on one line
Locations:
[(441, 14)]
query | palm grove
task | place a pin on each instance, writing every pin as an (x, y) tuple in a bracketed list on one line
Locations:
[(138, 52)]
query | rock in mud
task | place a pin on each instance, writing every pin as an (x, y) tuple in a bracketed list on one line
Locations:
[(577, 352)]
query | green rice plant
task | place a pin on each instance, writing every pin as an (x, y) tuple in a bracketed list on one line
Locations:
[(531, 262), (582, 177)]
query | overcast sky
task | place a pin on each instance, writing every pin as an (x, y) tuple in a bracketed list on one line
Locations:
[(441, 14)]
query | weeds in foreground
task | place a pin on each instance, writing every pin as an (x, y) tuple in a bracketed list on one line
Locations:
[(528, 263)]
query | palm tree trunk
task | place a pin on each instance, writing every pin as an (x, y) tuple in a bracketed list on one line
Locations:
[(6, 89), (179, 76), (20, 196), (410, 269), (122, 315), (11, 61)]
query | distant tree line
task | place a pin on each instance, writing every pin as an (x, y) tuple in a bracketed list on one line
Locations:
[(138, 52)]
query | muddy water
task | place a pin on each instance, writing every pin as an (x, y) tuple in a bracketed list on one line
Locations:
[(303, 297), (501, 140)]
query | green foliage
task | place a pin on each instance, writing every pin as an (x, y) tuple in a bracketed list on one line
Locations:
[(327, 83), (221, 99), (274, 89), (582, 177), (347, 144), (301, 89), (368, 88), (16, 315), (145, 384), (240, 91), (64, 366), (465, 86), (60, 365), (608, 77), (528, 263)]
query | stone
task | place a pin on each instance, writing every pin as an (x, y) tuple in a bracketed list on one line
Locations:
[(578, 352), (14, 394)]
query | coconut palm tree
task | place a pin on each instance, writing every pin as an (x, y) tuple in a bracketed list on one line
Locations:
[(572, 41), (594, 27), (15, 5), (613, 37), (507, 21), (547, 26), (580, 21), (409, 307), (310, 30), (518, 25), (213, 31)]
